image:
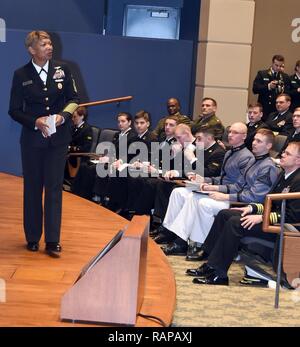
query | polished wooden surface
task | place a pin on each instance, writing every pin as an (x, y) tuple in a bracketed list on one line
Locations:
[(107, 101), (35, 282), (267, 227), (102, 295), (291, 240)]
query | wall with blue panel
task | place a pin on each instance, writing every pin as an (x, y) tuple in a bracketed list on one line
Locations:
[(107, 67), (103, 66), (55, 15)]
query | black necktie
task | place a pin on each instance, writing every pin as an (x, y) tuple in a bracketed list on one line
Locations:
[(42, 69)]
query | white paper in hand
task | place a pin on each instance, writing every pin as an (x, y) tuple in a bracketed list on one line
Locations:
[(51, 124)]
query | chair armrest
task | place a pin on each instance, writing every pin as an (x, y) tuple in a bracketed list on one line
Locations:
[(268, 207)]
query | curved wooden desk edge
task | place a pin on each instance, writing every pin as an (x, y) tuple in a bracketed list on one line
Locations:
[(35, 282)]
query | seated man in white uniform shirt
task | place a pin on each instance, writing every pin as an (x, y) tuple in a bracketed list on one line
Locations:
[(258, 179)]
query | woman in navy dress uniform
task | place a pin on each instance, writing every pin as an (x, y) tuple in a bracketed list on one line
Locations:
[(43, 99)]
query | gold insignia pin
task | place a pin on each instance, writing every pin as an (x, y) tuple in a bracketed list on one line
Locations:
[(59, 86)]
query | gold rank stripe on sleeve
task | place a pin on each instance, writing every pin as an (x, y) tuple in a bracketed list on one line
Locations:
[(260, 208), (273, 218), (71, 108)]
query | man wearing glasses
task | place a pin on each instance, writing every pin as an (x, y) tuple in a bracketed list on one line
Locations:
[(222, 243), (178, 220)]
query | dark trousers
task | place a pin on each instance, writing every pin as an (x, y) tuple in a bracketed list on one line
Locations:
[(83, 183), (141, 194), (43, 168), (163, 192), (223, 240)]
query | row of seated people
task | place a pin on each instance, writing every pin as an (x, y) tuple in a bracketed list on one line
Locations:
[(85, 185), (205, 228), (159, 188)]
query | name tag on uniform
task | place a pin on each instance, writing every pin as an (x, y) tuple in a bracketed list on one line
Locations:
[(266, 79), (27, 83)]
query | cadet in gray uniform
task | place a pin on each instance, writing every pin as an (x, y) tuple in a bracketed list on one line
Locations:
[(234, 165), (255, 182)]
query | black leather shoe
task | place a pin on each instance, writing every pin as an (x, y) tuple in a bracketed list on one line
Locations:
[(202, 271), (53, 249), (155, 232), (196, 255), (165, 237), (175, 249), (32, 246), (212, 279)]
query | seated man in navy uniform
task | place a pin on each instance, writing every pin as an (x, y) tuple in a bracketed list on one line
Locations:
[(280, 122), (255, 123), (222, 243)]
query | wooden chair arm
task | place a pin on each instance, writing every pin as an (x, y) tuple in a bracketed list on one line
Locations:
[(268, 208), (107, 101)]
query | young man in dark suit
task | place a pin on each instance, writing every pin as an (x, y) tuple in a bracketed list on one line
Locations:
[(43, 99)]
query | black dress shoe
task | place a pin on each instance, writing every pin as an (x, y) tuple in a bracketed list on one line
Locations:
[(175, 249), (202, 271), (162, 238), (213, 279), (53, 249), (32, 246), (195, 253), (155, 232), (197, 256), (166, 236)]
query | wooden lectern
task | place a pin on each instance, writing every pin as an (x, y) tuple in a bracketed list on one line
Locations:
[(112, 291)]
